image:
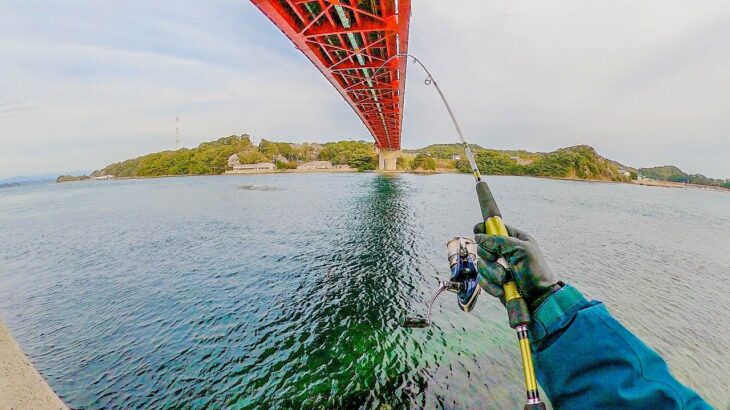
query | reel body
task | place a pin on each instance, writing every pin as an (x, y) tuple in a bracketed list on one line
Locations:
[(462, 253)]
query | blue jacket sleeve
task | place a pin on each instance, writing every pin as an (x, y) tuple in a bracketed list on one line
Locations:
[(585, 359)]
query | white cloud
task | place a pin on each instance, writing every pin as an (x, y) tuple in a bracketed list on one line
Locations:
[(83, 84), (643, 82)]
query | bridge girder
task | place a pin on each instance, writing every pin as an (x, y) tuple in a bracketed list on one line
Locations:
[(347, 40)]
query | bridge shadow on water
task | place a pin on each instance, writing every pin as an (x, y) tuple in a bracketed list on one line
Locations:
[(342, 347)]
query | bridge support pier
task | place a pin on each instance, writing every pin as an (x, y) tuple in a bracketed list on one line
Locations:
[(387, 159)]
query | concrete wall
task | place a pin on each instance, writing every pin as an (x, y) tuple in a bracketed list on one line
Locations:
[(21, 386)]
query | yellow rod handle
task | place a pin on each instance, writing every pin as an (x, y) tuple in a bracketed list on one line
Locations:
[(517, 309), (495, 226)]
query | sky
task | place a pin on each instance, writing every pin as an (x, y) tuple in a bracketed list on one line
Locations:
[(87, 83)]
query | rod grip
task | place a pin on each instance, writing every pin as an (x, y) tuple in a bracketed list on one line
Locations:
[(487, 204), (517, 310)]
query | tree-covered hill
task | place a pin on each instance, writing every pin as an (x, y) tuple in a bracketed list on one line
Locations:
[(673, 174), (212, 157), (581, 162), (207, 158)]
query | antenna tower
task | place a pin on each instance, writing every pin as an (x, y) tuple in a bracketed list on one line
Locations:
[(177, 132)]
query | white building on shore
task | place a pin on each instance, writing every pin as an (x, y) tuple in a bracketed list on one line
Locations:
[(238, 168), (315, 166), (258, 167)]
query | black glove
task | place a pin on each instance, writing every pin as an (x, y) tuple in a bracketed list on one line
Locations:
[(528, 267)]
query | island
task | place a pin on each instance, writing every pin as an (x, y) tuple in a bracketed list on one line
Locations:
[(238, 154)]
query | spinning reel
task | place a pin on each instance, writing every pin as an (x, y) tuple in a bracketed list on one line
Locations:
[(464, 281)]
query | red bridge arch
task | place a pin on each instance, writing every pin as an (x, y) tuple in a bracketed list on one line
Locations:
[(347, 40)]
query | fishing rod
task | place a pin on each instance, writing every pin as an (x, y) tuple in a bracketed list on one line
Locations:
[(462, 258)]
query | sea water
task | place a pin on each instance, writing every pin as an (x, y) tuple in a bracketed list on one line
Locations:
[(285, 290)]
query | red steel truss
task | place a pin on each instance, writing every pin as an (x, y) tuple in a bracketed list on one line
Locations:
[(347, 40)]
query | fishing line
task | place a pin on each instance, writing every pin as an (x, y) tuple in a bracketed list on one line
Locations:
[(464, 277), (430, 80)]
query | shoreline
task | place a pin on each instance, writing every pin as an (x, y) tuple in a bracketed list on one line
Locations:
[(21, 386), (291, 171), (660, 184)]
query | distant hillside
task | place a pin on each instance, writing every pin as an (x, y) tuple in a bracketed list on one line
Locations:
[(441, 151), (622, 166), (26, 180), (449, 151), (71, 178), (664, 173), (581, 162), (673, 174)]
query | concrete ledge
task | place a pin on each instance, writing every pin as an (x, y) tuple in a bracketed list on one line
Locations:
[(21, 386)]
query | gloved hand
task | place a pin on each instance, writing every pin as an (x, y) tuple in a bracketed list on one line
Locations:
[(534, 278)]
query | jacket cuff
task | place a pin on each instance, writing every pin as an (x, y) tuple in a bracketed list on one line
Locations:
[(555, 311)]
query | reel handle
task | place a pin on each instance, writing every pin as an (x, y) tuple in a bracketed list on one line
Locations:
[(519, 315)]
